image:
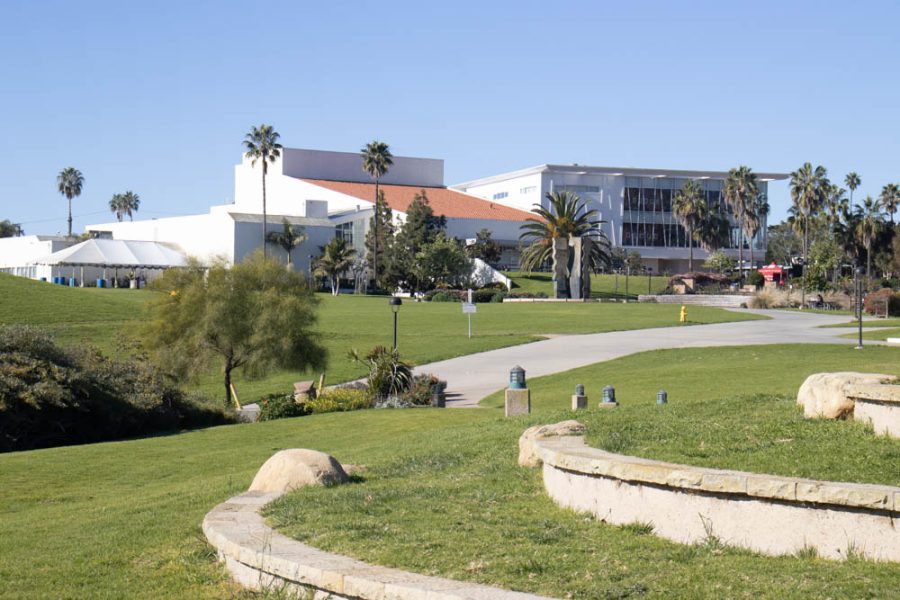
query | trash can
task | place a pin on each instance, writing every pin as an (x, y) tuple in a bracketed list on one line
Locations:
[(101, 283), (72, 282)]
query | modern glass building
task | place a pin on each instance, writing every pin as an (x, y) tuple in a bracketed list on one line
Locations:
[(635, 205)]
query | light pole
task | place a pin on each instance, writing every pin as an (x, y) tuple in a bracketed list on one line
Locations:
[(649, 279), (311, 271), (395, 303), (859, 307)]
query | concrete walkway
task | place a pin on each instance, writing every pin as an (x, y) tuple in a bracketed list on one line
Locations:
[(474, 377)]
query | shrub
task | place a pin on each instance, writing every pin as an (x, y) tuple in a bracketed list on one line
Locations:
[(498, 297), (388, 375), (54, 397), (339, 399), (840, 300), (769, 297), (443, 297), (755, 278), (280, 406), (874, 302), (419, 393)]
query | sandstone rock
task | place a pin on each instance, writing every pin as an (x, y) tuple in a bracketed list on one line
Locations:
[(527, 455), (290, 469), (825, 395)]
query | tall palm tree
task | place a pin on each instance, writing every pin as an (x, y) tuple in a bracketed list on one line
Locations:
[(835, 206), (755, 216), (868, 224), (69, 182), (262, 144), (288, 238), (691, 211), (565, 217), (337, 257), (890, 198), (852, 181), (740, 191), (376, 160), (809, 187)]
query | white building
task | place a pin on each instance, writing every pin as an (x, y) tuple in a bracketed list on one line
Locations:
[(18, 255), (634, 203)]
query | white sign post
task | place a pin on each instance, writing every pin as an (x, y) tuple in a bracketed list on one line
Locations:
[(469, 310)]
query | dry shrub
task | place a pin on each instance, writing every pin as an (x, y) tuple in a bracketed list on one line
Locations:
[(841, 300), (769, 297)]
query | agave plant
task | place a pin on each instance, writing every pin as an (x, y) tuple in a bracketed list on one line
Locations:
[(388, 375)]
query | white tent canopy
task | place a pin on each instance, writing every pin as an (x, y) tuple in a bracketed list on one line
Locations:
[(117, 254)]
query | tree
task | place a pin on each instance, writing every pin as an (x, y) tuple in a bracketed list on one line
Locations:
[(254, 316), (288, 238), (485, 248), (381, 235), (889, 199), (719, 262), (70, 182), (758, 211), (691, 211), (852, 181), (566, 217), (808, 190), (10, 229), (262, 144), (443, 261), (337, 257), (741, 191), (867, 227), (376, 160), (124, 204), (784, 244), (420, 229)]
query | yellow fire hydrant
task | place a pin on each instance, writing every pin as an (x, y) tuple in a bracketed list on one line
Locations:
[(682, 318)]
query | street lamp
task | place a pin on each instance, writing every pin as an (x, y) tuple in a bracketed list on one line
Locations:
[(649, 279), (395, 303), (859, 306)]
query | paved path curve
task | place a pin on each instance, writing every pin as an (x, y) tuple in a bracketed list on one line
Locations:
[(474, 377)]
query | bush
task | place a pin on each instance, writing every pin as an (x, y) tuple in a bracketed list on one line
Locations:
[(769, 297), (419, 393), (443, 297), (498, 297), (388, 375), (50, 396), (755, 278), (280, 406), (874, 302), (339, 400)]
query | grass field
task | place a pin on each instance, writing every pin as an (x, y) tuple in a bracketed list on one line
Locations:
[(602, 285), (428, 331), (869, 323)]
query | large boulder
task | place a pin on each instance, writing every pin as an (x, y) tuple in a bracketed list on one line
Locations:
[(291, 469), (825, 395), (527, 455)]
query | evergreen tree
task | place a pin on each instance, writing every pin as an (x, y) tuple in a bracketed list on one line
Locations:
[(420, 229), (381, 222), (485, 248)]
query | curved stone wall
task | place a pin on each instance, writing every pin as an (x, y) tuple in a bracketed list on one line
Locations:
[(258, 557), (768, 514), (877, 405)]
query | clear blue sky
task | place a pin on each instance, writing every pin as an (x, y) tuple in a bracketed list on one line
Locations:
[(156, 96)]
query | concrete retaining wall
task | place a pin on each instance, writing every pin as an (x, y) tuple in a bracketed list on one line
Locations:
[(258, 557), (877, 405), (768, 514), (721, 300)]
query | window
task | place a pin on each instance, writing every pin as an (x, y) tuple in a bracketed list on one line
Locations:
[(578, 189), (344, 231), (500, 195), (528, 190)]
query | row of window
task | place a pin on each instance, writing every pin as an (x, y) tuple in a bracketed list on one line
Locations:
[(656, 200), (670, 235), (500, 195)]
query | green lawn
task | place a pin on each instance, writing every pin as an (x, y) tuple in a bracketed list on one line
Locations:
[(869, 323), (428, 331), (602, 286), (442, 493), (874, 334)]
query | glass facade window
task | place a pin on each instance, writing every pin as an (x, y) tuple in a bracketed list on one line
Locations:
[(528, 190), (500, 195), (578, 189), (344, 231)]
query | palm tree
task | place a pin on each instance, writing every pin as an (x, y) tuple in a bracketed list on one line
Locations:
[(691, 211), (758, 211), (835, 206), (868, 224), (741, 191), (890, 198), (288, 238), (124, 204), (377, 159), (566, 217), (337, 257), (69, 182), (852, 181), (809, 187), (262, 144)]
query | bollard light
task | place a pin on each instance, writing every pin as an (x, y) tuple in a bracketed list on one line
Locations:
[(662, 397), (517, 378), (609, 394), (579, 390), (395, 303), (859, 306)]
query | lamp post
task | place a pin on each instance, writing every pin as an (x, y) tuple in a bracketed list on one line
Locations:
[(395, 303), (859, 307), (649, 279), (311, 257)]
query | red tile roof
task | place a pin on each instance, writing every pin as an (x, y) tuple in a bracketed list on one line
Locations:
[(443, 201)]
